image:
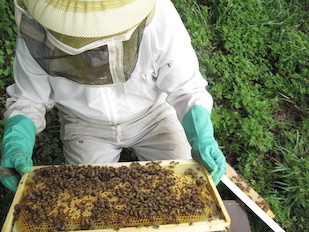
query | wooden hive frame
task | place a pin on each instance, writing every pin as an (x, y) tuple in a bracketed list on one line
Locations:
[(245, 186), (220, 224)]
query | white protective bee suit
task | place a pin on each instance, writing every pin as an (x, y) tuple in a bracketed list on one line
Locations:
[(144, 112)]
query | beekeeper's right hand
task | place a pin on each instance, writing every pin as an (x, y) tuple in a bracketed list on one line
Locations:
[(17, 147)]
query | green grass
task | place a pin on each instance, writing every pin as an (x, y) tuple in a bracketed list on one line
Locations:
[(254, 55), (7, 44)]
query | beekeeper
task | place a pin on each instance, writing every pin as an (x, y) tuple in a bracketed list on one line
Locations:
[(122, 73)]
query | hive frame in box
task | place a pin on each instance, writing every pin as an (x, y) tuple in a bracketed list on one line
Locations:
[(206, 226)]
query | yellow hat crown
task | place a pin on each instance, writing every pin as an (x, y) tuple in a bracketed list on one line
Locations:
[(88, 18)]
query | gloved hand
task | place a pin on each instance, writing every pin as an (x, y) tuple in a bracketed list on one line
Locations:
[(200, 134), (17, 147)]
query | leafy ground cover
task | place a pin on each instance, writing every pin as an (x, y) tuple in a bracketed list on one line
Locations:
[(255, 56)]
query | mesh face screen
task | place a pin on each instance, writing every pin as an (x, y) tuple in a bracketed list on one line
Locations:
[(71, 197), (90, 67), (131, 48)]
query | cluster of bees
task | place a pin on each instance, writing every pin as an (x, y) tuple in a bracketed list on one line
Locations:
[(246, 187), (74, 197)]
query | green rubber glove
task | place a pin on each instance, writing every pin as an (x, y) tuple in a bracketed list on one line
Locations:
[(17, 147), (200, 134)]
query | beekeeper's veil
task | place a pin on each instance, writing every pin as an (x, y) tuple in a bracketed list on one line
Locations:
[(92, 42)]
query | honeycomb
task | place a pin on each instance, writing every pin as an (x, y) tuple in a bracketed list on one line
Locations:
[(87, 197)]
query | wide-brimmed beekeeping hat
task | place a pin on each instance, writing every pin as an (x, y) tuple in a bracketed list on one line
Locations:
[(92, 42), (88, 18)]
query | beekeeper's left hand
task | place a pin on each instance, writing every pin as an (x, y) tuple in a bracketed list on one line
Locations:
[(199, 130)]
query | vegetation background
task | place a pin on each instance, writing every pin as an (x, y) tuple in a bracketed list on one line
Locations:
[(254, 54)]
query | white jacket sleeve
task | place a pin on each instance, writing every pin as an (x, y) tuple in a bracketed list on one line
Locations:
[(178, 68), (30, 94)]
